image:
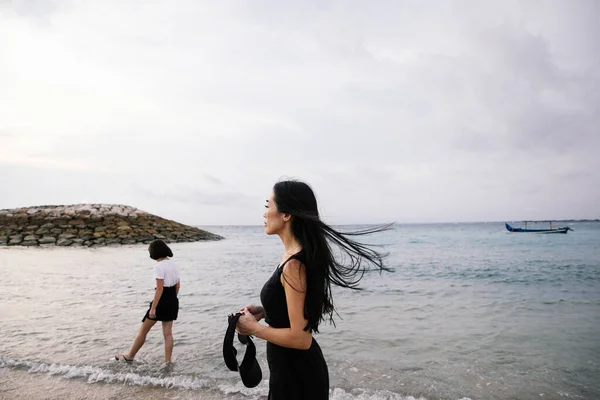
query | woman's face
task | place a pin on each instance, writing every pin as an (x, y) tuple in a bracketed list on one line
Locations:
[(274, 220)]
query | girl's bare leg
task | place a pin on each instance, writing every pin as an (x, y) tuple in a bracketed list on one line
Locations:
[(168, 335), (140, 338)]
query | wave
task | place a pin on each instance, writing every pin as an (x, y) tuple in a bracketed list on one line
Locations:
[(95, 374)]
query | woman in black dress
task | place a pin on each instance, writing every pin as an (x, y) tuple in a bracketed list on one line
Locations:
[(165, 305), (297, 297)]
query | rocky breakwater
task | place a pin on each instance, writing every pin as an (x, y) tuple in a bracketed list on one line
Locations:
[(91, 225)]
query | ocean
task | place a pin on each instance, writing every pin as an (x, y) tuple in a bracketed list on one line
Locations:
[(469, 312)]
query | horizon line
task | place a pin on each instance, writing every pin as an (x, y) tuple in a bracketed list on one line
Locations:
[(432, 223)]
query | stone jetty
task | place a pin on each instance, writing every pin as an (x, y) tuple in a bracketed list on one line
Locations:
[(91, 225)]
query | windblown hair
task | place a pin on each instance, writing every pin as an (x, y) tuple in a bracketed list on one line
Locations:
[(159, 249), (321, 266)]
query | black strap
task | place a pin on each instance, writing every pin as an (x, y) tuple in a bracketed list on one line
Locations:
[(292, 257)]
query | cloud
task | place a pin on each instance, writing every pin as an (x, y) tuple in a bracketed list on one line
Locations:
[(405, 111), (198, 197)]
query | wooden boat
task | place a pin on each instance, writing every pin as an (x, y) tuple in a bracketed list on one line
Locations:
[(552, 229)]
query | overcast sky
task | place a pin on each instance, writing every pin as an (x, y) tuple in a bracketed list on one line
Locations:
[(407, 111)]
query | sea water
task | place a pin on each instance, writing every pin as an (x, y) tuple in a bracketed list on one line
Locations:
[(469, 311)]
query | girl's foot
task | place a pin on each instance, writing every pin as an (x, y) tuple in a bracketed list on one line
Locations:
[(167, 366), (124, 357)]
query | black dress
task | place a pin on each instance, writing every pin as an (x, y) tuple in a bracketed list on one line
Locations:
[(294, 374), (167, 307)]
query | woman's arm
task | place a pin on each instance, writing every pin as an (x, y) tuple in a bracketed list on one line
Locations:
[(295, 337), (177, 288), (157, 293)]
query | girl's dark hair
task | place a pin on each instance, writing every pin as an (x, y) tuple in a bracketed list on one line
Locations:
[(322, 269), (159, 249)]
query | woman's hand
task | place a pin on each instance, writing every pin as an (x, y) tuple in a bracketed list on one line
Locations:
[(152, 313), (257, 311), (247, 323)]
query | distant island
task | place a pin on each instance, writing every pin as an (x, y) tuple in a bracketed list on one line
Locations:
[(558, 220), (91, 225)]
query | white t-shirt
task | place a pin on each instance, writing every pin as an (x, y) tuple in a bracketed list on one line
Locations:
[(167, 270)]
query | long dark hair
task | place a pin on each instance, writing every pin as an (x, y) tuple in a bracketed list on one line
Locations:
[(322, 268)]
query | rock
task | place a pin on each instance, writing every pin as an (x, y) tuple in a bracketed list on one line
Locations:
[(144, 238), (64, 242), (47, 240), (15, 239)]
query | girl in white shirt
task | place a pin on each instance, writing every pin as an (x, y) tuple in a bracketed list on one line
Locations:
[(165, 305)]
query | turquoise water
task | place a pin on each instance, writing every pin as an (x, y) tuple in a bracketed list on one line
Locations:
[(470, 311)]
